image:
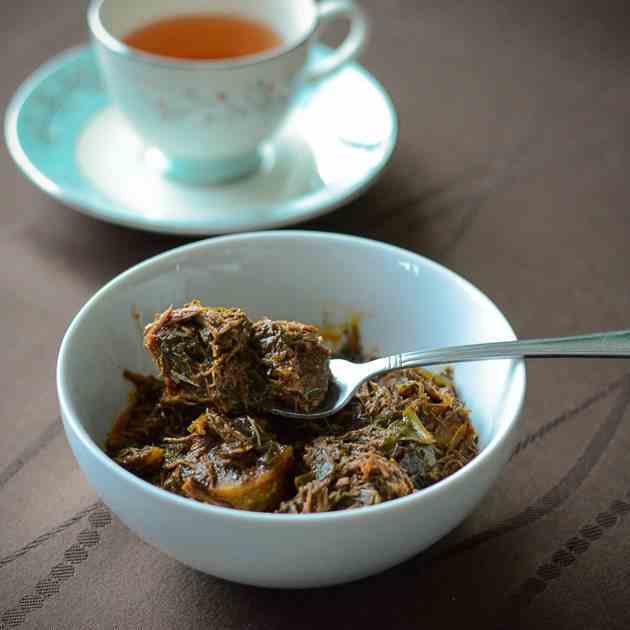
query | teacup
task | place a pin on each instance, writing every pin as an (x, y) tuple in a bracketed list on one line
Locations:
[(205, 121)]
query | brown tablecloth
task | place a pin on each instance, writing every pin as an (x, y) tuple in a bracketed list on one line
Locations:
[(512, 169)]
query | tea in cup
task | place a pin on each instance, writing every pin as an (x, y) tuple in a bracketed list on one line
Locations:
[(205, 83)]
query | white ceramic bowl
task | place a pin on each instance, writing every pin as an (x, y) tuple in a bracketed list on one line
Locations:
[(406, 301)]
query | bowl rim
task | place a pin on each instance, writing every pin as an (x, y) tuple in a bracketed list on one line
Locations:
[(73, 422)]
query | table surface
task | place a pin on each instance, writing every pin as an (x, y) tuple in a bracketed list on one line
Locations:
[(512, 169)]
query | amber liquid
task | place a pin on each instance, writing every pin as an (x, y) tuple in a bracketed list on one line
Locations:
[(204, 36)]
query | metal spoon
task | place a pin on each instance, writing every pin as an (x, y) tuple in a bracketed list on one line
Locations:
[(347, 377)]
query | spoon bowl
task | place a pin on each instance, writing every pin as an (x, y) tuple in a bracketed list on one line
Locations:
[(346, 377)]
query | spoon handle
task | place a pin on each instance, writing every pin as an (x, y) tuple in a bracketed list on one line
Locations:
[(608, 344)]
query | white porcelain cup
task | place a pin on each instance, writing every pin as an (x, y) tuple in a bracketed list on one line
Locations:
[(205, 121)]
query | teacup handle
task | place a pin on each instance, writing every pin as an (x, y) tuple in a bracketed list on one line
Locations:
[(329, 10)]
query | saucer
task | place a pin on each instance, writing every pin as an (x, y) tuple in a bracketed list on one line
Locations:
[(64, 134)]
